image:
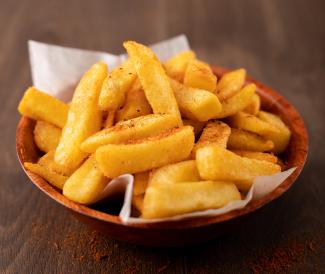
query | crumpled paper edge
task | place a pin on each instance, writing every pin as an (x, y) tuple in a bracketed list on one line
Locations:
[(261, 186)]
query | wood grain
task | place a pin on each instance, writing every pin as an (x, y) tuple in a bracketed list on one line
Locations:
[(281, 43)]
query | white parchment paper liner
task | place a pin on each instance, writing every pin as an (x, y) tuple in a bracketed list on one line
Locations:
[(56, 70)]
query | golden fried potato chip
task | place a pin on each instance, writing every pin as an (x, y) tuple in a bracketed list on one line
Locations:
[(217, 163), (110, 119), (255, 106), (115, 86), (185, 171), (176, 66), (130, 130), (38, 105), (84, 117), (280, 139), (237, 102), (140, 184), (154, 79), (135, 105), (86, 184), (46, 136), (168, 147), (200, 75), (196, 104), (166, 200), (269, 157), (251, 123), (55, 179), (244, 140), (230, 83), (215, 133), (48, 162)]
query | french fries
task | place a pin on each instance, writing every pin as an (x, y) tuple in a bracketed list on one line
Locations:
[(141, 180), (254, 107), (48, 162), (237, 102), (243, 140), (215, 133), (281, 138), (251, 123), (257, 155), (165, 200), (196, 104), (135, 129), (115, 86), (84, 117), (176, 66), (38, 105), (230, 83), (55, 179), (154, 80), (199, 75), (217, 163), (158, 122), (168, 147), (110, 119), (185, 171), (46, 136), (135, 105), (86, 184)]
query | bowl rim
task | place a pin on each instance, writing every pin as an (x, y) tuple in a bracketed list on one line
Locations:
[(296, 125)]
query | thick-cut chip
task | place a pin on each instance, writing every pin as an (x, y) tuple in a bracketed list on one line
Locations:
[(217, 163), (230, 83), (134, 129), (215, 133), (280, 139), (200, 75), (135, 105), (168, 147), (86, 185), (110, 119), (154, 79), (51, 176), (243, 140), (185, 171), (254, 107), (137, 202), (140, 182), (84, 117), (176, 66), (165, 200), (257, 155), (196, 104), (251, 123), (197, 125), (237, 102), (38, 105), (48, 162), (46, 136), (115, 86)]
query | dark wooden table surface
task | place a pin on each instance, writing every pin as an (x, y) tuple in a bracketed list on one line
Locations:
[(281, 43)]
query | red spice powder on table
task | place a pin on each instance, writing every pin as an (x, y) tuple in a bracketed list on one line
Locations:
[(280, 259)]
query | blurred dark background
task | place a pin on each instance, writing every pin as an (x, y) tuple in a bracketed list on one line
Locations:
[(281, 43)]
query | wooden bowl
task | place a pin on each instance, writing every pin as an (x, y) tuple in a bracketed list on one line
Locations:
[(187, 231)]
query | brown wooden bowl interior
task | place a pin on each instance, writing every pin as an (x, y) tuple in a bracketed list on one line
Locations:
[(295, 156)]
